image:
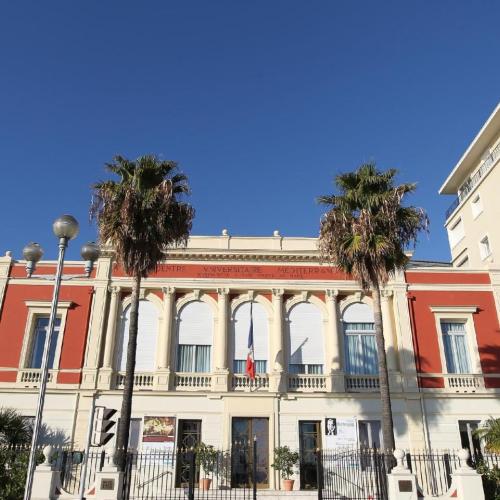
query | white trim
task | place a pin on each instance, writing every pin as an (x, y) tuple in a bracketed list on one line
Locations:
[(454, 309)]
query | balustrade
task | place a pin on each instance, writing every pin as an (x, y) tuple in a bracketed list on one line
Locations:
[(362, 383), (307, 383), (242, 382)]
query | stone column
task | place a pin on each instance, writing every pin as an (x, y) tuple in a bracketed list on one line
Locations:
[(106, 372), (277, 358), (404, 335), (46, 478), (401, 482), (390, 342), (221, 373), (162, 375), (334, 344)]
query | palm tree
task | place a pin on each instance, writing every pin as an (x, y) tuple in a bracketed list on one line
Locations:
[(365, 233), (490, 434), (15, 429), (141, 216)]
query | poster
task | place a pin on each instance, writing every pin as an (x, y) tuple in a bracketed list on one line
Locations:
[(340, 433), (158, 433)]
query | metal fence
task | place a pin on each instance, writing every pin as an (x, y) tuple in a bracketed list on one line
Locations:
[(357, 474), (186, 474)]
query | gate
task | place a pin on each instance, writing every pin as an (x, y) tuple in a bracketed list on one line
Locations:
[(356, 474), (184, 475)]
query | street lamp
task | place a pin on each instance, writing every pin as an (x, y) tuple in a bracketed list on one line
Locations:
[(65, 228)]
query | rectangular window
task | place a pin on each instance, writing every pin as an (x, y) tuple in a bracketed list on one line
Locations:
[(476, 206), (306, 369), (456, 232), (455, 346), (484, 248), (193, 358), (39, 335), (369, 433), (239, 366), (360, 349)]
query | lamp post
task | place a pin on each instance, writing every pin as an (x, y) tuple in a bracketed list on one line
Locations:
[(65, 228)]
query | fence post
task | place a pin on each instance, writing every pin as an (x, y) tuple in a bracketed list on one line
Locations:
[(254, 468), (466, 482), (319, 474), (192, 474), (45, 478), (401, 483), (109, 480)]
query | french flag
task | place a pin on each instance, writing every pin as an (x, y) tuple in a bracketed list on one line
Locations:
[(250, 368)]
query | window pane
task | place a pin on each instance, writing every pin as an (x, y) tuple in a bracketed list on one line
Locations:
[(315, 369), (370, 357), (239, 365), (455, 347), (202, 364), (296, 369), (40, 333), (185, 358), (260, 366)]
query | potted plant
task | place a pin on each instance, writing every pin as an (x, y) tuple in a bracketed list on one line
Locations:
[(284, 461), (206, 458)]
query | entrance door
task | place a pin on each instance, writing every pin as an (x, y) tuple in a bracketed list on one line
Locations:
[(310, 441), (243, 431), (189, 437)]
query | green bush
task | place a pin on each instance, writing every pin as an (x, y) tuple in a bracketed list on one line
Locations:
[(491, 480), (285, 460), (13, 468)]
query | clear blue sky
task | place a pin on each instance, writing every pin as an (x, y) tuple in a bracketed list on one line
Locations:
[(261, 102)]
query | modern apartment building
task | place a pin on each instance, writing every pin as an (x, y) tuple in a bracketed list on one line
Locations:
[(472, 218), (314, 349)]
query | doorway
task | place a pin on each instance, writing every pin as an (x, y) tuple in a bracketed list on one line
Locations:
[(309, 443), (244, 429), (189, 437)]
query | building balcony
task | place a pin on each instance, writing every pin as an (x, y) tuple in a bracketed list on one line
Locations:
[(30, 377), (192, 381), (142, 381), (472, 182), (307, 383), (453, 382), (240, 382), (362, 383)]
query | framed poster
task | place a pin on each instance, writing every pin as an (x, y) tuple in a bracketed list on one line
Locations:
[(158, 432), (340, 432)]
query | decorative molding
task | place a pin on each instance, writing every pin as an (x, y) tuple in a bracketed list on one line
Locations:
[(332, 294), (454, 309), (47, 304), (278, 292), (142, 293), (115, 290), (359, 296), (385, 294), (305, 295), (222, 292), (168, 290), (196, 294)]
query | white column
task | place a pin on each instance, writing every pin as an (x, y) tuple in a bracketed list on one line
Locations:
[(221, 355), (277, 354), (390, 345), (110, 339), (165, 340), (333, 340)]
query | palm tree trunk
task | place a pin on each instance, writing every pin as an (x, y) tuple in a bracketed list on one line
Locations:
[(385, 396), (128, 387)]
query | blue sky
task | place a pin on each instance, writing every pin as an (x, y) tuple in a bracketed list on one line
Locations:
[(262, 103)]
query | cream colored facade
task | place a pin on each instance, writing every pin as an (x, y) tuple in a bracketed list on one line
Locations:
[(475, 180), (277, 273)]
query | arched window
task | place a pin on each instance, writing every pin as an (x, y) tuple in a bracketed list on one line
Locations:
[(306, 353), (240, 331), (360, 346), (194, 337), (145, 360)]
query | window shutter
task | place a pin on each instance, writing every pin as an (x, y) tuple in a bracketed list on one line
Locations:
[(241, 328), (306, 334), (195, 324), (146, 338)]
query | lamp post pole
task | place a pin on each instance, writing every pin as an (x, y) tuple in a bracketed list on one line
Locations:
[(63, 243), (65, 228)]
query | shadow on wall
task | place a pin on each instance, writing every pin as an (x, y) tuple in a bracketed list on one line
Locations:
[(490, 364), (53, 436)]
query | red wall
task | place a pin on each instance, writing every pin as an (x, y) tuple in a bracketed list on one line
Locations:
[(426, 337), (13, 325)]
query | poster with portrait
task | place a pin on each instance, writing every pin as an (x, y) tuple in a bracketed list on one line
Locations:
[(158, 433), (340, 432)]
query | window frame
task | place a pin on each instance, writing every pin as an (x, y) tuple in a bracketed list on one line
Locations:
[(451, 228), (38, 309), (476, 205), (455, 314), (482, 246)]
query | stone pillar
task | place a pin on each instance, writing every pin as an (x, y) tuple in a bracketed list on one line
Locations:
[(109, 481), (96, 323), (404, 335), (277, 377), (106, 372), (390, 341), (466, 482), (220, 377), (45, 479), (334, 344), (401, 483), (163, 359)]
